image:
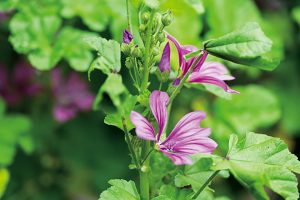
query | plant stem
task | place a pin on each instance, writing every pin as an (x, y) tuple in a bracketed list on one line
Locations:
[(146, 58), (144, 181), (128, 16), (130, 147), (205, 184), (199, 59)]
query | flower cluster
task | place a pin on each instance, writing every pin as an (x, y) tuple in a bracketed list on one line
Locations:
[(187, 137)]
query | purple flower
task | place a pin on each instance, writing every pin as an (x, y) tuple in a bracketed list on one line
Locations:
[(204, 72), (185, 139), (71, 95), (164, 64), (127, 37), (21, 83)]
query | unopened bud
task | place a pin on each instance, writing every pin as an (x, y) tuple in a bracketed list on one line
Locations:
[(129, 63), (161, 37), (167, 19), (142, 28), (135, 52), (155, 51), (146, 17), (125, 48)]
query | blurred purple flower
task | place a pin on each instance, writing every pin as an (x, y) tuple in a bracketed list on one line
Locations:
[(3, 16), (186, 138), (20, 84), (204, 72), (127, 37), (164, 64), (71, 95)]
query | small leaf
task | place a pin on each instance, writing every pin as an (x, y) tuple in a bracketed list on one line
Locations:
[(114, 87), (120, 189), (115, 119), (246, 46), (109, 54)]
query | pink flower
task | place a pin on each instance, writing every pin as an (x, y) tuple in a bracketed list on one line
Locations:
[(71, 95), (185, 139), (204, 72), (21, 83)]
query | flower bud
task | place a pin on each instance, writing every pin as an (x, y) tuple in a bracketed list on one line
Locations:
[(167, 19), (129, 63), (135, 52), (145, 17), (142, 28), (125, 49), (127, 37), (161, 37), (155, 51)]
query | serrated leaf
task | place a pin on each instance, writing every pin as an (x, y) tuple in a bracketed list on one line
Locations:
[(120, 189), (255, 107), (4, 178), (247, 45), (258, 160), (109, 54)]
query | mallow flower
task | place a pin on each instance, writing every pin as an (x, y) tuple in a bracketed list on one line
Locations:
[(71, 95), (185, 139), (204, 72)]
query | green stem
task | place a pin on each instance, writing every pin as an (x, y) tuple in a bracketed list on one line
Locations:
[(128, 16), (146, 58), (205, 184), (130, 147), (185, 77), (144, 181)]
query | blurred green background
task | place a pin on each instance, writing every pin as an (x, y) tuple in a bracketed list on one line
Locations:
[(41, 158)]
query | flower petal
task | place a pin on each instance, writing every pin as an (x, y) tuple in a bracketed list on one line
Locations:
[(143, 128), (158, 104), (178, 158), (178, 47), (164, 64), (216, 70), (186, 126), (197, 77), (64, 113)]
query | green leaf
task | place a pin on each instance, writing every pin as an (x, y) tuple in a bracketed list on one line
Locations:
[(115, 119), (246, 45), (34, 35), (4, 178), (114, 88), (74, 48), (258, 160), (120, 189), (195, 175), (13, 127), (109, 59), (94, 14), (255, 107)]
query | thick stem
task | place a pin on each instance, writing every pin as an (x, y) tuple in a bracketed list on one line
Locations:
[(128, 16), (200, 59), (144, 181), (205, 184), (146, 58), (130, 147)]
